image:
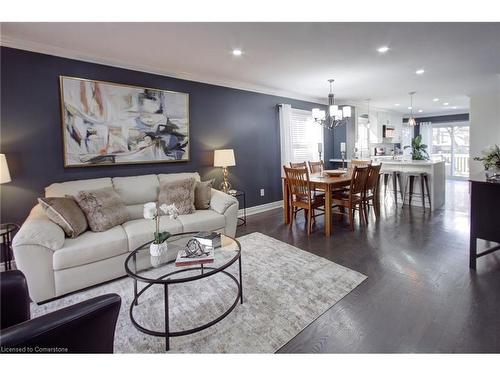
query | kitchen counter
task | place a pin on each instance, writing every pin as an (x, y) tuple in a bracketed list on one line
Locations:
[(436, 176)]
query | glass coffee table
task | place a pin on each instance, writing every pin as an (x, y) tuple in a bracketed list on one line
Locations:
[(144, 268)]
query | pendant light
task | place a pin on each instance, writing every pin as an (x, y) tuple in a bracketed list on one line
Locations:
[(411, 119), (336, 116)]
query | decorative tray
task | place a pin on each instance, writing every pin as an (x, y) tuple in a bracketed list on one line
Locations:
[(334, 172)]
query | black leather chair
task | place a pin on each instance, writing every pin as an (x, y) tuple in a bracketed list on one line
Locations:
[(86, 327)]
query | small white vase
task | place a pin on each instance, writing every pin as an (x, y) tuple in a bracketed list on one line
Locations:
[(157, 250)]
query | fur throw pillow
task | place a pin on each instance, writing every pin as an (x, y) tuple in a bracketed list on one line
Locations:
[(180, 193), (103, 208)]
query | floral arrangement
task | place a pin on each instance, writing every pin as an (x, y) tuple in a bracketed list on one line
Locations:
[(153, 212), (490, 158)]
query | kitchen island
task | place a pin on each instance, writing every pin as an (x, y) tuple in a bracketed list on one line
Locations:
[(435, 174)]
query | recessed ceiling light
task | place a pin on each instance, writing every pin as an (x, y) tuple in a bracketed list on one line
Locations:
[(397, 104), (446, 103), (435, 100), (420, 110), (454, 107), (420, 71), (237, 52), (410, 107), (383, 49)]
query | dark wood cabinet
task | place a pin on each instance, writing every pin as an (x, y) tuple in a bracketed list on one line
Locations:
[(484, 216)]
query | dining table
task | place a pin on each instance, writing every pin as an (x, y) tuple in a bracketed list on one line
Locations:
[(319, 181)]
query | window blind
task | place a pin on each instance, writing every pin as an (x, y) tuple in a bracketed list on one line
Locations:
[(305, 136)]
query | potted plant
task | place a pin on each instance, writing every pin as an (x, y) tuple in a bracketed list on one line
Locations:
[(491, 161), (418, 149), (159, 246)]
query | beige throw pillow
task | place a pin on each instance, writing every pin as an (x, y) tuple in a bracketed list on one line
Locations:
[(103, 208), (65, 213), (202, 194), (180, 193)]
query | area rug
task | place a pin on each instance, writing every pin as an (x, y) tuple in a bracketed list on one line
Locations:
[(284, 289)]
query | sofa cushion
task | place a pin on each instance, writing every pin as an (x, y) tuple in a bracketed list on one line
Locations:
[(202, 220), (135, 211), (61, 189), (91, 247), (103, 208), (66, 213), (141, 231), (202, 194), (179, 193), (137, 189), (178, 176)]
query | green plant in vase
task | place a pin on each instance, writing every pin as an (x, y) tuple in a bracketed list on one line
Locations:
[(491, 161), (418, 149)]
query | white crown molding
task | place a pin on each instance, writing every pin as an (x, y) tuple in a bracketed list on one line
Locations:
[(86, 57)]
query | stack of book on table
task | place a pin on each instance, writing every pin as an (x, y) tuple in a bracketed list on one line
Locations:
[(209, 241)]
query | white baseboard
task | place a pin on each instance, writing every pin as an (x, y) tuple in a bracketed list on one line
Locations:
[(261, 208)]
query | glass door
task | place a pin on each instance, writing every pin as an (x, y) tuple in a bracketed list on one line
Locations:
[(451, 144)]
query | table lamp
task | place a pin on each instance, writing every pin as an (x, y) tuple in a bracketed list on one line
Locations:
[(4, 170), (224, 159)]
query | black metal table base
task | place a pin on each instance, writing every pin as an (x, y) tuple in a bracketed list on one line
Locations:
[(167, 334)]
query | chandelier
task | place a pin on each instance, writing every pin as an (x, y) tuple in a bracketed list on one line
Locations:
[(411, 119), (335, 115)]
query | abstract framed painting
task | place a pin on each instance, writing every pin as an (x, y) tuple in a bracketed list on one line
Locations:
[(107, 123)]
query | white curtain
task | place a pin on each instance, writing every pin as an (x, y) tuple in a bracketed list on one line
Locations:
[(285, 113), (426, 132)]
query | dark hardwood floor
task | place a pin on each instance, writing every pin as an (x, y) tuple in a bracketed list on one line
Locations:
[(420, 295)]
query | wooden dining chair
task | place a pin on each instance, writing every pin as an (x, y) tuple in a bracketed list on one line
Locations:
[(298, 165), (360, 163), (316, 166), (371, 191), (302, 196), (353, 198)]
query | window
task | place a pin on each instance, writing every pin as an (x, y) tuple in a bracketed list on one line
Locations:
[(305, 136)]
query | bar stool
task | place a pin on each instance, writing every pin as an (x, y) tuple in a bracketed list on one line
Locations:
[(410, 178), (396, 177)]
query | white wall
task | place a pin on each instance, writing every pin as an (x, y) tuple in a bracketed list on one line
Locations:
[(378, 117), (484, 122)]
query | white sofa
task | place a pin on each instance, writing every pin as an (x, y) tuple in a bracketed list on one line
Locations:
[(55, 265)]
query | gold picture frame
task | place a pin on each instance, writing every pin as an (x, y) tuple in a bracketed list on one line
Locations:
[(106, 123)]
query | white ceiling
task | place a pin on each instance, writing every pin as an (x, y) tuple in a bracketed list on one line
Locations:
[(292, 59)]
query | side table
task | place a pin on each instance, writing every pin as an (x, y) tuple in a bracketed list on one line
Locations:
[(6, 232), (240, 195)]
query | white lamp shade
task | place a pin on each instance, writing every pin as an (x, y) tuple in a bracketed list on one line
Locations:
[(224, 158), (4, 170), (346, 111), (333, 110), (315, 113)]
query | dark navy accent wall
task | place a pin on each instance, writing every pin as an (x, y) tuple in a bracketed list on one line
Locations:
[(439, 120), (220, 117)]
